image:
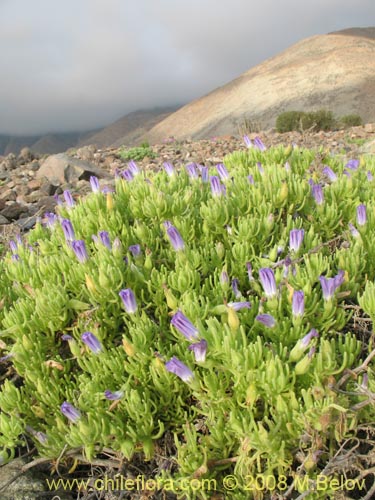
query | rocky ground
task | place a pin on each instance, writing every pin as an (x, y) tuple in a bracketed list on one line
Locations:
[(29, 183)]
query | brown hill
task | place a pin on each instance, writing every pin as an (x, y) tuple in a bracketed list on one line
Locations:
[(331, 71), (129, 129)]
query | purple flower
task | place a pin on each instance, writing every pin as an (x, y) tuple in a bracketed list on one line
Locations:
[(129, 300), (177, 367), (260, 168), (329, 285), (295, 239), (104, 237), (237, 306), (298, 303), (108, 189), (222, 171), (175, 238), (41, 437), (354, 231), (184, 326), (13, 246), (192, 170), (127, 175), (235, 283), (51, 219), (224, 278), (168, 167), (305, 341), (80, 251), (15, 257), (370, 177), (267, 320), (135, 250), (247, 141), (204, 174), (258, 143), (92, 342), (133, 167), (167, 224), (352, 164), (347, 173), (57, 199), (94, 181), (267, 279), (70, 412), (6, 357), (330, 174), (67, 230), (317, 192), (66, 337), (68, 198), (113, 396), (361, 215), (199, 349), (249, 271), (216, 186), (250, 178)]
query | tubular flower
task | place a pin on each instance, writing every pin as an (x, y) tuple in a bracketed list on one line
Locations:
[(204, 174), (133, 167), (298, 303), (175, 238), (258, 143), (70, 412), (267, 279), (80, 251), (361, 215), (222, 171), (303, 344), (295, 239), (67, 230), (352, 164), (237, 306), (168, 167), (94, 183), (235, 283), (104, 237), (135, 250), (354, 231), (199, 349), (216, 186), (92, 342), (317, 193), (191, 169), (68, 198), (184, 326), (330, 285), (51, 219), (129, 300), (247, 141), (177, 367), (113, 396), (267, 320), (330, 174)]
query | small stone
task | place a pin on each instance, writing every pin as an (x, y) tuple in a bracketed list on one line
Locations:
[(13, 211)]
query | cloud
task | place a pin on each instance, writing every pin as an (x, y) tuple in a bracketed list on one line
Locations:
[(79, 64)]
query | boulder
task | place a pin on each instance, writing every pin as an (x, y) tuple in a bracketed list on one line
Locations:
[(62, 168)]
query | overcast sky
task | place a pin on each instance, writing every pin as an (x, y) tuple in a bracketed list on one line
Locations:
[(79, 64)]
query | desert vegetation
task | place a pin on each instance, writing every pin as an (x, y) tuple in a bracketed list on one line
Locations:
[(228, 309)]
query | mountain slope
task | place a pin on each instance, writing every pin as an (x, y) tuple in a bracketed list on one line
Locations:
[(325, 71), (128, 129)]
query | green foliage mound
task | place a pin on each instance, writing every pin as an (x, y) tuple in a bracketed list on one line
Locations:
[(218, 309), (301, 120), (137, 153)]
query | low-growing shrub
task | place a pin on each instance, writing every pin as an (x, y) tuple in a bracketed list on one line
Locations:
[(230, 310), (347, 121), (300, 120), (137, 153)]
